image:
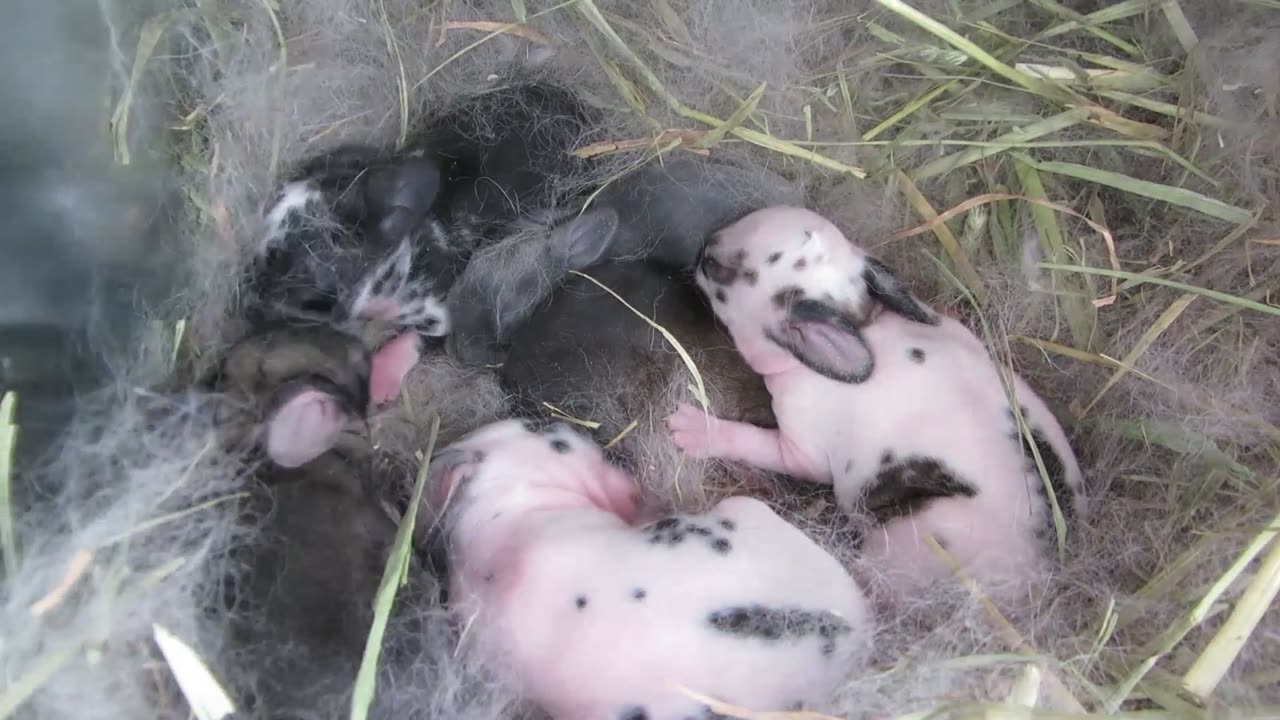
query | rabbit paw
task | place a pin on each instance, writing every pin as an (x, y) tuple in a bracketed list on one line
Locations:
[(694, 431)]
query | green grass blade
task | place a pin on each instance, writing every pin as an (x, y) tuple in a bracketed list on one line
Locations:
[(1053, 124), (1164, 108), (968, 47), (1221, 652), (1080, 313), (205, 695), (1212, 294), (1084, 24), (1111, 13), (1174, 195), (737, 118), (8, 442), (392, 577)]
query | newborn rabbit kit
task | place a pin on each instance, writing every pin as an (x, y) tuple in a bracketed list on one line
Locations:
[(600, 616), (897, 406)]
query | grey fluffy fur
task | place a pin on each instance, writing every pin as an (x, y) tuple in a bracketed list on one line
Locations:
[(140, 481)]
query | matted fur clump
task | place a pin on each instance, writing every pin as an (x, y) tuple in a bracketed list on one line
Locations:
[(1160, 125)]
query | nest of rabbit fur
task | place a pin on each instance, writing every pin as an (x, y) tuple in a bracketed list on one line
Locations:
[(131, 521)]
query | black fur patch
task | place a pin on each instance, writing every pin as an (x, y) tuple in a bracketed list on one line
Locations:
[(884, 286), (908, 486), (1057, 473), (580, 601), (848, 465), (917, 355), (639, 594), (635, 712), (750, 276), (772, 624), (560, 446), (721, 295), (773, 258), (728, 524), (800, 264), (717, 272), (785, 298), (721, 546), (886, 458)]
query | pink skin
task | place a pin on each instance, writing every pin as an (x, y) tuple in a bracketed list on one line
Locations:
[(309, 423), (944, 402), (564, 591)]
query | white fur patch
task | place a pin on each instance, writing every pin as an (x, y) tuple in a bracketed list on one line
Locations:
[(387, 293), (295, 200)]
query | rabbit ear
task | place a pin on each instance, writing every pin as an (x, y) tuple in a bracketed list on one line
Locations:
[(585, 239), (825, 340), (389, 366), (449, 468), (884, 286), (304, 427)]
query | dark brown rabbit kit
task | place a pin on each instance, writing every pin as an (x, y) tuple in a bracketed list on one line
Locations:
[(148, 509)]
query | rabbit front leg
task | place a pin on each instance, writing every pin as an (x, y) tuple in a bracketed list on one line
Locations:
[(742, 442)]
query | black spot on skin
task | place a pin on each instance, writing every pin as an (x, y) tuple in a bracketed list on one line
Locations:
[(529, 426), (581, 601), (908, 486), (698, 530), (772, 624), (1057, 472), (560, 446), (496, 516), (721, 546), (639, 594), (668, 531), (886, 458), (721, 295), (787, 296), (773, 258), (848, 466), (800, 264), (728, 524), (716, 272), (750, 276), (739, 258), (635, 712), (917, 355)]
